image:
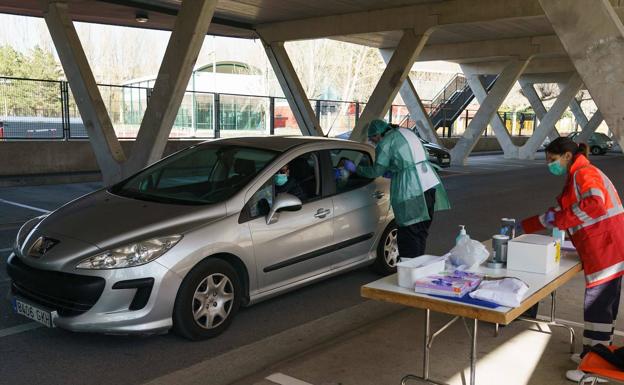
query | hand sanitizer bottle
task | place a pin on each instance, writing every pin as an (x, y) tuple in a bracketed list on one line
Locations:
[(462, 234)]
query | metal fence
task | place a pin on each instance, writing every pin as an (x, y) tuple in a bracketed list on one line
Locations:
[(44, 109)]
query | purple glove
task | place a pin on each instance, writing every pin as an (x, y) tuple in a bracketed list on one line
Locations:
[(549, 217), (349, 166)]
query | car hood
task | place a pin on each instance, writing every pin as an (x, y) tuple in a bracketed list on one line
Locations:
[(105, 220)]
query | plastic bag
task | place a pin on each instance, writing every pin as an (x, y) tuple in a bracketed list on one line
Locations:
[(468, 254), (508, 291)]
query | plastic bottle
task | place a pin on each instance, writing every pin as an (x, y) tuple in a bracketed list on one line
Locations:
[(462, 234)]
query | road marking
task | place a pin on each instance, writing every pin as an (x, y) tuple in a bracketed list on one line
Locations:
[(19, 329), (5, 250), (282, 379), (24, 206)]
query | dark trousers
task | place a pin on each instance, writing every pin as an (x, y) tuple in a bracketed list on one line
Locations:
[(601, 307), (412, 239)]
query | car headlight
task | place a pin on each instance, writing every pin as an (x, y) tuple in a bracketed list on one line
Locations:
[(24, 231), (131, 255)]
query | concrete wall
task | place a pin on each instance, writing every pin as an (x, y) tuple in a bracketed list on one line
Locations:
[(42, 162), (486, 144)]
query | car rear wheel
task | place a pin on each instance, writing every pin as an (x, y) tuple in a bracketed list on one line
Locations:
[(595, 150), (387, 251), (207, 301)]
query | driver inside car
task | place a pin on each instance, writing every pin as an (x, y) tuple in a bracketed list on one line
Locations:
[(284, 183)]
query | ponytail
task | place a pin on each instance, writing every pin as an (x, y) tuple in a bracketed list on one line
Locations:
[(563, 145)]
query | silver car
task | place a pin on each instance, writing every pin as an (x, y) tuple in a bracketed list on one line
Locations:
[(183, 243)]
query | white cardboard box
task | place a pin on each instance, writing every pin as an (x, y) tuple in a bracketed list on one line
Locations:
[(532, 253), (412, 269)]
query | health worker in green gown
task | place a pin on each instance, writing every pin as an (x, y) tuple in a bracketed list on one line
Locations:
[(416, 191)]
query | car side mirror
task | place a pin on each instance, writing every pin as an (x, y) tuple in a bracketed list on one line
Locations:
[(283, 202)]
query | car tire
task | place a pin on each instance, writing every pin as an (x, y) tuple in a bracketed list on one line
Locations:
[(387, 251), (215, 286), (595, 150)]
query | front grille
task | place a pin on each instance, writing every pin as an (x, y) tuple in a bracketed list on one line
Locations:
[(69, 294)]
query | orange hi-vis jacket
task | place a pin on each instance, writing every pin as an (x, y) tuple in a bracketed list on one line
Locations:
[(591, 211)]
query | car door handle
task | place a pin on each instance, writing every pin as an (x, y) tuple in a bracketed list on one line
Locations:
[(378, 194), (322, 213)]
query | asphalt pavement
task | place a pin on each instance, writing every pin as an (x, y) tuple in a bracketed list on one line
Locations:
[(483, 192)]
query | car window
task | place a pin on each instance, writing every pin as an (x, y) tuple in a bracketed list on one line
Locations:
[(200, 175), (303, 182), (344, 178)]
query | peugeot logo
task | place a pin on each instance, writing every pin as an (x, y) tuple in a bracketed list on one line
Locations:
[(41, 246)]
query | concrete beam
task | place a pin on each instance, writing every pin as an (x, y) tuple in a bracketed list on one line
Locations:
[(187, 37), (590, 127), (553, 115), (421, 17), (595, 44), (293, 90), (391, 81), (536, 103), (499, 48), (538, 65), (545, 78), (502, 135), (414, 105), (96, 120), (577, 111), (488, 108)]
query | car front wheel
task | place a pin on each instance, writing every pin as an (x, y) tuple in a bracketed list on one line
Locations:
[(387, 251), (207, 301), (596, 150)]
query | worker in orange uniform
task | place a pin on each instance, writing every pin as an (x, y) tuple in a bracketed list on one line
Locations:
[(590, 211)]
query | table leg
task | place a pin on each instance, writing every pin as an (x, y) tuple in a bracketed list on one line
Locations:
[(426, 345), (553, 322), (473, 352)]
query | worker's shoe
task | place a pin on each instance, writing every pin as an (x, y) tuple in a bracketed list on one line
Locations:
[(577, 375)]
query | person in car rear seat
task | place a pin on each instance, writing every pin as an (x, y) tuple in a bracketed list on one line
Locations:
[(285, 184)]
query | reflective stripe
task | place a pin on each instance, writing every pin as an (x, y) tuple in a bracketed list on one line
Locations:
[(605, 273), (610, 214), (591, 342), (580, 214), (593, 192), (542, 219), (598, 327)]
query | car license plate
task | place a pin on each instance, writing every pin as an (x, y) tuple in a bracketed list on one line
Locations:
[(35, 313), (446, 161)]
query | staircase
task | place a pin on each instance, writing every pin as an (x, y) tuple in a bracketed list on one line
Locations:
[(453, 100)]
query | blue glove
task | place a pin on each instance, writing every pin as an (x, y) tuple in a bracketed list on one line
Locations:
[(549, 217), (349, 166)]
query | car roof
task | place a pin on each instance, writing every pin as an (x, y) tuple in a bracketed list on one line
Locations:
[(275, 143)]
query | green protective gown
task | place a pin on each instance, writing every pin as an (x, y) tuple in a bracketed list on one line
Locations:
[(395, 154)]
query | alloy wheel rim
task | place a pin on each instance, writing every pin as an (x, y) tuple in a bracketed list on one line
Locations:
[(212, 301), (391, 249)]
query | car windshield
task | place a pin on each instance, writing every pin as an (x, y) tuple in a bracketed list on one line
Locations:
[(200, 175)]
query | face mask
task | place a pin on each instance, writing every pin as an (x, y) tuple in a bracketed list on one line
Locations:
[(556, 168), (281, 179)]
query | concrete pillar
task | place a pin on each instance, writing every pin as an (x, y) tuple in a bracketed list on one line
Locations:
[(106, 147), (551, 118), (488, 108), (510, 150), (593, 36), (293, 90), (590, 127), (392, 79), (187, 37), (414, 105), (536, 103)]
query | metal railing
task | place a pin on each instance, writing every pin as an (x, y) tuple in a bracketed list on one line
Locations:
[(46, 109)]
